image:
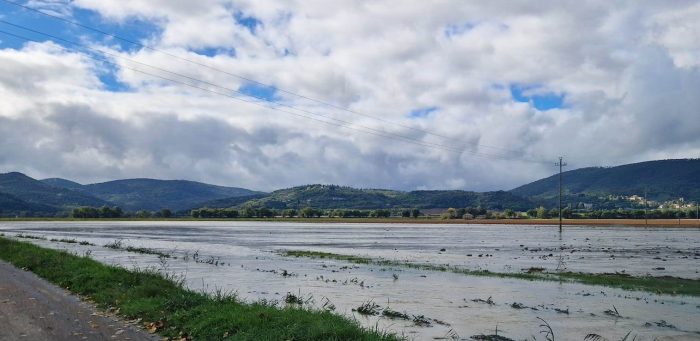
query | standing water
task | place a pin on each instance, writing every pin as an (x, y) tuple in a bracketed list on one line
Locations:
[(245, 257)]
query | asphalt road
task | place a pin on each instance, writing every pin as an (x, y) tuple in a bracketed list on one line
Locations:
[(33, 309)]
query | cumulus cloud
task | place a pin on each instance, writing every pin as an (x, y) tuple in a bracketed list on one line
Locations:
[(627, 76)]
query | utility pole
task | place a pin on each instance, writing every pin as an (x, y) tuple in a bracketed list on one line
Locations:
[(561, 164), (646, 219)]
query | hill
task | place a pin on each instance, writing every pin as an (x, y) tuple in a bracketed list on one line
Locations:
[(33, 191), (226, 202), (151, 194), (663, 180), (63, 183), (12, 206), (339, 197)]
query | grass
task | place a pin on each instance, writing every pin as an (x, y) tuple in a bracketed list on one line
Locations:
[(119, 245), (660, 285), (175, 311), (71, 241)]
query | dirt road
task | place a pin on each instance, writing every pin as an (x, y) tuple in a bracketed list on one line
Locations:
[(33, 309)]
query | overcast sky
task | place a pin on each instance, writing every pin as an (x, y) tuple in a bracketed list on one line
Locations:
[(476, 95)]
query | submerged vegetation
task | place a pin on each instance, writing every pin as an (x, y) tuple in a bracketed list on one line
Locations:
[(167, 307), (119, 245), (660, 285)]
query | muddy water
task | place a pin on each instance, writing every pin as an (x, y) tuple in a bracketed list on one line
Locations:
[(241, 257)]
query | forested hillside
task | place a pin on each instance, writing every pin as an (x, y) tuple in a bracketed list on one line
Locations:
[(662, 179)]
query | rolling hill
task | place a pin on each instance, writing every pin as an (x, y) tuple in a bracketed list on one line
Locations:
[(152, 194), (339, 197), (227, 202), (33, 191), (63, 183), (12, 206), (663, 180)]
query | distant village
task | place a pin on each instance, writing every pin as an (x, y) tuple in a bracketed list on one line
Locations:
[(678, 203)]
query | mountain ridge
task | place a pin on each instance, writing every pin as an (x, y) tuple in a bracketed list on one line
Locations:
[(34, 191), (323, 196), (155, 194), (661, 179)]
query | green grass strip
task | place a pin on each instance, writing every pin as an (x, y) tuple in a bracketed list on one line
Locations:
[(152, 297), (660, 285)]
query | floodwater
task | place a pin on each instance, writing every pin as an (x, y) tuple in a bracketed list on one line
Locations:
[(243, 257)]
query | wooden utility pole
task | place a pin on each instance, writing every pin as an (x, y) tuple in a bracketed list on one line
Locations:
[(561, 164), (646, 219)]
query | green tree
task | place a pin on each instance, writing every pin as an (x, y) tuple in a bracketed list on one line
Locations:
[(415, 213), (308, 212), (542, 213), (451, 213), (382, 213), (248, 212), (566, 213), (166, 213), (532, 213), (509, 213), (143, 214), (105, 212), (265, 212)]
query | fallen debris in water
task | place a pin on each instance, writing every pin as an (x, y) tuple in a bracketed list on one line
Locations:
[(488, 301), (492, 337)]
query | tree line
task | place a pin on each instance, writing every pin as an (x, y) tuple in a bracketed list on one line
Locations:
[(107, 212), (307, 212), (568, 213), (116, 212)]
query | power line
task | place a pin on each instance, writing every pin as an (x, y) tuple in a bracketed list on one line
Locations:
[(343, 122), (135, 43)]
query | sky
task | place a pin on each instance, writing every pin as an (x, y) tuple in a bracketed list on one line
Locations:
[(404, 95)]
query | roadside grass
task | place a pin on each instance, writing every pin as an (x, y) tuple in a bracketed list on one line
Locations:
[(169, 308), (660, 285)]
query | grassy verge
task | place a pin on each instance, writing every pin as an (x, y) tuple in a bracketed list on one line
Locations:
[(175, 311), (660, 285)]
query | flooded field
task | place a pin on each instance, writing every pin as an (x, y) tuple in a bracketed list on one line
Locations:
[(419, 304)]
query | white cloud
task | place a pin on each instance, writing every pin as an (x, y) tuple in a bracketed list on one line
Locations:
[(629, 74)]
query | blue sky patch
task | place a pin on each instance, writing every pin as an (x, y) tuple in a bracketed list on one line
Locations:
[(108, 77), (213, 51), (267, 93), (422, 112), (458, 29), (132, 29), (251, 23), (543, 102)]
